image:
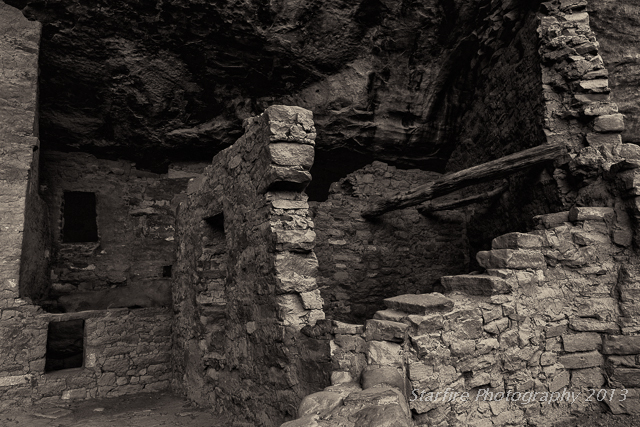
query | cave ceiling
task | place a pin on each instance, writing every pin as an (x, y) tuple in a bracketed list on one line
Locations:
[(169, 80)]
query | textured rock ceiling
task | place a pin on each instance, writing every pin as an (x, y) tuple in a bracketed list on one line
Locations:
[(151, 80)]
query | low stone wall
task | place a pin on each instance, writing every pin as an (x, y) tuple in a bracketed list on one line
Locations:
[(125, 351), (363, 262)]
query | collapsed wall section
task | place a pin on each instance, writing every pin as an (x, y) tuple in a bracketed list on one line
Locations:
[(237, 342)]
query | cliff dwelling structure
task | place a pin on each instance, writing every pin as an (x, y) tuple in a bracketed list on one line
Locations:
[(323, 213)]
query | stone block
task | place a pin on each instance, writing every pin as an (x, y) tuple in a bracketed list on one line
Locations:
[(477, 363), (312, 300), (283, 178), (420, 304), (552, 220), (581, 360), (628, 377), (581, 18), (469, 328), (295, 240), (559, 381), (384, 353), (587, 341), (74, 394), (291, 282), (621, 344), (555, 330), (609, 140), (585, 238), (510, 258), (384, 375), (517, 241), (609, 123), (426, 324), (497, 326), (392, 315), (346, 328), (588, 98), (600, 109), (630, 151), (305, 264), (420, 372), (289, 204), (385, 330), (291, 154), (382, 416), (548, 358), (461, 348), (478, 380), (593, 325), (629, 405), (594, 86), (13, 380), (321, 403), (475, 284), (289, 123), (491, 313), (598, 74), (587, 378), (487, 345), (340, 377), (591, 214), (381, 396)]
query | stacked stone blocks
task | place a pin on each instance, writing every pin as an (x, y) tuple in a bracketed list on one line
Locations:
[(240, 329)]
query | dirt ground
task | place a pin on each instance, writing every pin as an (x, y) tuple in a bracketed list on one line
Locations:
[(601, 420), (163, 409), (141, 410)]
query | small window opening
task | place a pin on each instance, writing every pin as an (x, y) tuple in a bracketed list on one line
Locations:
[(65, 345), (166, 271), (214, 247), (79, 213), (216, 222)]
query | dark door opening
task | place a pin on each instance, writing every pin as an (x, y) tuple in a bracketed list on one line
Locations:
[(79, 214), (65, 345)]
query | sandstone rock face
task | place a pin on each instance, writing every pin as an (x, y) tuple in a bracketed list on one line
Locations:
[(150, 80), (617, 26)]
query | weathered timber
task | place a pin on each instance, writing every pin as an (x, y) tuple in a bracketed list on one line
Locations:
[(460, 203), (447, 184)]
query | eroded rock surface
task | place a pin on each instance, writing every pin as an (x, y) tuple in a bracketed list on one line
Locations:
[(617, 25), (151, 80)]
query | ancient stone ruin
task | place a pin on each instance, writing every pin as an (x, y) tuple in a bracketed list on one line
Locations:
[(433, 221)]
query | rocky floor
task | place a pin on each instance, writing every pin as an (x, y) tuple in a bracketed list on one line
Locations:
[(143, 410)]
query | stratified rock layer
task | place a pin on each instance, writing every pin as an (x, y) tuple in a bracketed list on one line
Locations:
[(399, 81)]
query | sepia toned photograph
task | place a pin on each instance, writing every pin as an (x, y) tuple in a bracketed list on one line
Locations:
[(308, 213)]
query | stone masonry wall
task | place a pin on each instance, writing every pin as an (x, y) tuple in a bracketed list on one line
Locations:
[(551, 328), (553, 319), (237, 342), (130, 264), (362, 262), (19, 47), (125, 351)]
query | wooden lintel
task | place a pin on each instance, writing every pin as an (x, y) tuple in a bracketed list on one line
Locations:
[(449, 183), (435, 206)]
